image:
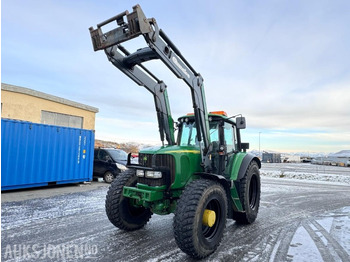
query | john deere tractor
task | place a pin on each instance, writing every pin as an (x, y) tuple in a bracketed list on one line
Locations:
[(204, 176)]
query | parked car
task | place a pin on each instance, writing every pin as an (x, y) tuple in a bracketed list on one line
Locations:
[(109, 162)]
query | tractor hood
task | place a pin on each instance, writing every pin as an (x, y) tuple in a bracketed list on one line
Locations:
[(172, 150), (182, 162)]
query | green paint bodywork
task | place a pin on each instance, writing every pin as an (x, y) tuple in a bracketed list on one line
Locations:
[(187, 163), (231, 171), (235, 198), (234, 164)]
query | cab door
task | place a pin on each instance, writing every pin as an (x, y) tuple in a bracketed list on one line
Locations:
[(229, 142)]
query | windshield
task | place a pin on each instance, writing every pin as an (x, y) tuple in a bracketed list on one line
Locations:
[(189, 133), (118, 154)]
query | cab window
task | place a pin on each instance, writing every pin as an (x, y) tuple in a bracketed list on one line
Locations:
[(214, 131), (230, 137), (189, 133)]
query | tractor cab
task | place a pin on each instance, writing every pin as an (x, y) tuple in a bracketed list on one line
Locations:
[(225, 139)]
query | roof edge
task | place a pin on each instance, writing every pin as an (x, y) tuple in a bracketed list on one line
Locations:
[(31, 92)]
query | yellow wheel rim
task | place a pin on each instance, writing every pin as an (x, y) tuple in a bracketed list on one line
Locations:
[(209, 218)]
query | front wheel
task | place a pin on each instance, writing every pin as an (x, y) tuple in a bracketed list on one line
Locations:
[(121, 211), (200, 218), (249, 193)]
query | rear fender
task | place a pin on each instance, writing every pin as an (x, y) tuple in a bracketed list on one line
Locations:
[(236, 170), (245, 163)]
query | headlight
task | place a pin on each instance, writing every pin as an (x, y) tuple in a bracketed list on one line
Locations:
[(153, 174), (121, 167), (140, 173)]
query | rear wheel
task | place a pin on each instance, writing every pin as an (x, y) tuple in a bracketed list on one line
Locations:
[(200, 218), (249, 187), (121, 211)]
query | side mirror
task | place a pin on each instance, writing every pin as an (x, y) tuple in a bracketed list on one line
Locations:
[(240, 122), (244, 146)]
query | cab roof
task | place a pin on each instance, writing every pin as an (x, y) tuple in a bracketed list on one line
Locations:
[(221, 114)]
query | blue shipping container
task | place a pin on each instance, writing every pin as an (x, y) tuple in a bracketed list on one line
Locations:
[(38, 155)]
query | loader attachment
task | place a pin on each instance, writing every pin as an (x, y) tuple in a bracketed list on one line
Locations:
[(137, 24), (134, 24)]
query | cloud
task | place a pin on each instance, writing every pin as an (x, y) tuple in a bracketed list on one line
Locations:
[(284, 65)]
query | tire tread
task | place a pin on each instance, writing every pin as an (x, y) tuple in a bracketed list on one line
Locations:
[(113, 199), (186, 210)]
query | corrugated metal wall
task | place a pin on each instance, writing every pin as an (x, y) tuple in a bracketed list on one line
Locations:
[(37, 154)]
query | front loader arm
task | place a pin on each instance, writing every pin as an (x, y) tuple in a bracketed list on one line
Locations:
[(159, 47), (124, 61), (145, 78)]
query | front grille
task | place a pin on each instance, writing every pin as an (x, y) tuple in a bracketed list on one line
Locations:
[(161, 161)]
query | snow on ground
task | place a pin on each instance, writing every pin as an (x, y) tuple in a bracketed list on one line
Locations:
[(297, 222), (325, 236), (319, 237), (307, 171)]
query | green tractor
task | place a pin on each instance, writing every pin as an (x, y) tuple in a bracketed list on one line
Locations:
[(204, 176)]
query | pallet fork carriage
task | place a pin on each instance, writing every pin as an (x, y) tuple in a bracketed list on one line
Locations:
[(206, 165)]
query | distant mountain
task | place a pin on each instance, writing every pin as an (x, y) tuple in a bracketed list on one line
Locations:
[(342, 153)]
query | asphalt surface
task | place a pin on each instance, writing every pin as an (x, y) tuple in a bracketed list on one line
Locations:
[(298, 221)]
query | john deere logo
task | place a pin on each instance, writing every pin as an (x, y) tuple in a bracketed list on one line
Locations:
[(145, 159)]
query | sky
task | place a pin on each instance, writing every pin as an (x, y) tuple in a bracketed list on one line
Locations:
[(284, 65)]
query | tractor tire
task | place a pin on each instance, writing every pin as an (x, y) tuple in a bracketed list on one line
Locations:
[(191, 235), (249, 193), (120, 210)]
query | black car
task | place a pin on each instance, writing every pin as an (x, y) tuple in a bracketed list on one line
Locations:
[(109, 162)]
